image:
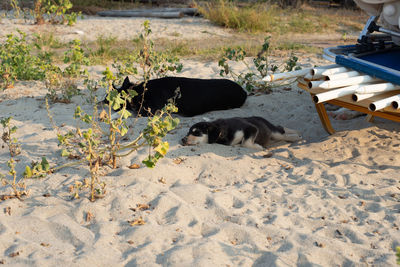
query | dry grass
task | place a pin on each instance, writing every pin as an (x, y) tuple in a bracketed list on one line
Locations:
[(267, 18), (307, 30), (107, 49)]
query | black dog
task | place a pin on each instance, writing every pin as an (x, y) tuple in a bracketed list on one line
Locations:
[(251, 132), (192, 96)]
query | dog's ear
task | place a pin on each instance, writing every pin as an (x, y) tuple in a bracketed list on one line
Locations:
[(213, 133), (126, 84)]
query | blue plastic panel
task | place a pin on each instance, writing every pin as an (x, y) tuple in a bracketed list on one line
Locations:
[(383, 65)]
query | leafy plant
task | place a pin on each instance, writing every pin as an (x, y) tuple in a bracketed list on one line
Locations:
[(260, 68), (150, 62), (18, 186), (89, 147), (60, 88), (117, 127), (14, 147), (54, 12), (157, 128), (398, 255), (291, 63), (38, 169), (99, 147), (76, 57), (72, 18), (15, 7), (62, 85), (18, 62)]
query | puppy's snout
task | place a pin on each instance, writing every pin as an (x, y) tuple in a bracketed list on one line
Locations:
[(184, 141)]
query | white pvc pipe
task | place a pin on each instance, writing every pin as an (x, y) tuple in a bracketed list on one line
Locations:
[(285, 75), (341, 83), (324, 72), (315, 73), (308, 76), (396, 104), (383, 103), (332, 94), (377, 88), (358, 97), (343, 75), (371, 90)]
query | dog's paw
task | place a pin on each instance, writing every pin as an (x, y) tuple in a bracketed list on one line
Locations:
[(292, 135), (250, 144)]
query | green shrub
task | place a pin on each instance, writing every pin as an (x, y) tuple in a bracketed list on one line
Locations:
[(76, 57), (62, 84), (260, 67), (18, 61), (54, 12), (95, 146), (151, 62)]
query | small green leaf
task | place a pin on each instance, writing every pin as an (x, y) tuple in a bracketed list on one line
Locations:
[(162, 148), (28, 172), (65, 153), (124, 131), (125, 113), (149, 162), (132, 93), (45, 164)]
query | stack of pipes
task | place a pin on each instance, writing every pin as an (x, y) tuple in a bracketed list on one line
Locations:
[(334, 81)]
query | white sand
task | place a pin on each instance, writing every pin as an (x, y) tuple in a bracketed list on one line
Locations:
[(325, 201)]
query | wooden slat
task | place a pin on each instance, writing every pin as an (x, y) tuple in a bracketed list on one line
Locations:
[(363, 103), (349, 104)]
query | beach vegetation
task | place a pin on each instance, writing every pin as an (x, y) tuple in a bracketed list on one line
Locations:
[(62, 84), (14, 147), (267, 17), (36, 170), (253, 18), (99, 142), (398, 255), (258, 67), (47, 41), (54, 12), (45, 11), (296, 46), (18, 62), (92, 144), (105, 49)]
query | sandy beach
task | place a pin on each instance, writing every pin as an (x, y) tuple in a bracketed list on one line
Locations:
[(327, 200)]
